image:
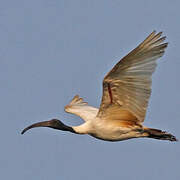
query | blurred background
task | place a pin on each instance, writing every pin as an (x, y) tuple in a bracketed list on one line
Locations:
[(51, 50)]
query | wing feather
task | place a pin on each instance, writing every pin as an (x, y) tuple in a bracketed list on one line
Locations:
[(80, 108), (130, 79)]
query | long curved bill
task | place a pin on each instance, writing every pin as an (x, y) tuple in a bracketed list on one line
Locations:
[(39, 124), (53, 123)]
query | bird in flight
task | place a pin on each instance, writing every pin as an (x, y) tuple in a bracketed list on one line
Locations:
[(126, 92)]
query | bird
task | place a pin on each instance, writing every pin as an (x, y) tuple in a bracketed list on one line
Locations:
[(126, 92)]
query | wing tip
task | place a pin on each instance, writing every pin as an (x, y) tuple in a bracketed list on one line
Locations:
[(76, 101)]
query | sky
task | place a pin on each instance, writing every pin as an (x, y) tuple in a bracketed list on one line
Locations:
[(51, 50)]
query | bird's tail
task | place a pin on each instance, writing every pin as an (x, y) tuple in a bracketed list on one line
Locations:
[(159, 134)]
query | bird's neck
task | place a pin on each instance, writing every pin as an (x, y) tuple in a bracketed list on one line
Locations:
[(66, 128), (83, 128)]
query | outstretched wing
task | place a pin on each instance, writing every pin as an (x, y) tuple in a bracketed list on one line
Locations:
[(80, 108), (128, 84)]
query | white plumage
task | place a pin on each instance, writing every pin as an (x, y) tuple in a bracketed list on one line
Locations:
[(126, 92)]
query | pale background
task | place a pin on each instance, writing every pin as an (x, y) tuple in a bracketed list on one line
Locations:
[(51, 50)]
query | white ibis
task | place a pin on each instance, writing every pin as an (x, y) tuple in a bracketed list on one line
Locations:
[(126, 92)]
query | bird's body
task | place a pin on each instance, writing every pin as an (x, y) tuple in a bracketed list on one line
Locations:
[(126, 92), (120, 128), (113, 131)]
